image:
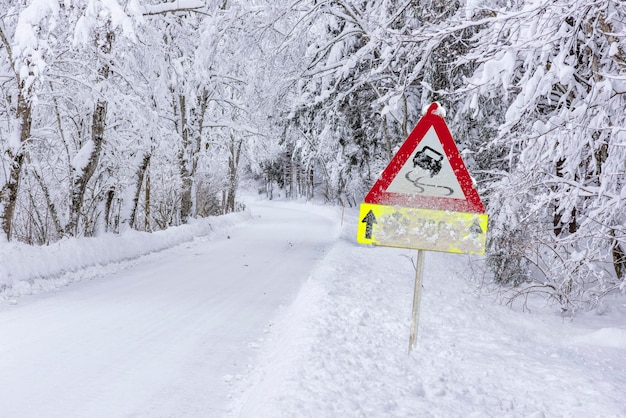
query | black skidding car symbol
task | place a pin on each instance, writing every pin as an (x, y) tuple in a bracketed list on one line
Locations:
[(428, 159)]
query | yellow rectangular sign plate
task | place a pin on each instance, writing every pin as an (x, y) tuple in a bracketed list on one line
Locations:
[(423, 229)]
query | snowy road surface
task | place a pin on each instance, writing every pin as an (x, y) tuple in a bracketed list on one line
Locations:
[(158, 339), (291, 318)]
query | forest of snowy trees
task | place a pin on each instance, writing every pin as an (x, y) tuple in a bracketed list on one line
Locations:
[(142, 114)]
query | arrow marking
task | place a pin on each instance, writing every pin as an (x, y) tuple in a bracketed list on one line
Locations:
[(369, 220), (476, 229)]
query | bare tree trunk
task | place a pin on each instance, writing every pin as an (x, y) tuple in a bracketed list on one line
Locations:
[(141, 171), (233, 165), (298, 180), (51, 206), (82, 178), (269, 180), (9, 192), (619, 258), (146, 199), (98, 125), (203, 102), (183, 161), (311, 192), (557, 223), (107, 209), (288, 173)]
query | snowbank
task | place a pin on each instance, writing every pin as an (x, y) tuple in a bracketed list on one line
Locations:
[(605, 337), (341, 348), (25, 269)]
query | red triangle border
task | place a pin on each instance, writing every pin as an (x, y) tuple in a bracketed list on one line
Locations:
[(379, 195)]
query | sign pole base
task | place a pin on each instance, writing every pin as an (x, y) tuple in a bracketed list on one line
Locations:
[(417, 294)]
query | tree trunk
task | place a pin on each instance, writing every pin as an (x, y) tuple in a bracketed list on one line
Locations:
[(233, 164), (98, 125), (107, 209), (141, 171), (51, 206), (11, 188), (203, 102), (23, 117), (288, 179), (146, 199), (619, 258), (311, 191), (183, 162), (557, 223), (81, 179)]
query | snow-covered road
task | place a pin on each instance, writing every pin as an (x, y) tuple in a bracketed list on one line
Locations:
[(158, 338), (278, 312)]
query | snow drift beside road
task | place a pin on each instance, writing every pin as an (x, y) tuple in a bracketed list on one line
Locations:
[(26, 269)]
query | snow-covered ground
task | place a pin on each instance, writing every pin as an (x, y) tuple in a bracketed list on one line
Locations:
[(279, 313), (342, 348)]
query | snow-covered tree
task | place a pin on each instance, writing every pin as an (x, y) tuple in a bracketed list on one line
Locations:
[(23, 40), (555, 73), (369, 68), (120, 114)]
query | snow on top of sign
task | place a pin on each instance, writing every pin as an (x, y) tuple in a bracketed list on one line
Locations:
[(439, 111)]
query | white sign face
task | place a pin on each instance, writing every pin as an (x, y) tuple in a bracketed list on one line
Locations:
[(428, 172)]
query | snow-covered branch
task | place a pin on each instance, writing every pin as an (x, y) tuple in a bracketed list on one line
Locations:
[(173, 7)]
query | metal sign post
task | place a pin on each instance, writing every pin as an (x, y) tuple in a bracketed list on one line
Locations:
[(417, 296)]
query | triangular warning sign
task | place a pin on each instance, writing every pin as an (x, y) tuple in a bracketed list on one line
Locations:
[(427, 172)]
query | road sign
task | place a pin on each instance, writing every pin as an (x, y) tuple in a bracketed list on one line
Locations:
[(425, 198), (426, 229), (427, 171)]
